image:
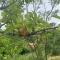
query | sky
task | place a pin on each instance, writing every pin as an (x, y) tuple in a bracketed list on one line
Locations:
[(47, 6), (0, 14), (3, 27)]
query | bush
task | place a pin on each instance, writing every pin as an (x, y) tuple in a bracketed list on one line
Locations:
[(24, 51), (56, 51)]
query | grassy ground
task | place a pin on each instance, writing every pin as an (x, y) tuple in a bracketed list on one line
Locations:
[(10, 50), (28, 56)]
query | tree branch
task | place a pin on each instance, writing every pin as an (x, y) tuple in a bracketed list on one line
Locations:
[(1, 25), (32, 33), (50, 13), (2, 8), (42, 31)]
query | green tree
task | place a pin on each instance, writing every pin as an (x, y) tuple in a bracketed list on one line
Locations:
[(14, 19)]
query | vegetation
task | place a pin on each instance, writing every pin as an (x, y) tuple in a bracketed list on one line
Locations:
[(29, 36)]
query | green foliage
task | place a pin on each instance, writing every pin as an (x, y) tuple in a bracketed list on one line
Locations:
[(56, 16), (13, 47), (28, 1), (24, 51)]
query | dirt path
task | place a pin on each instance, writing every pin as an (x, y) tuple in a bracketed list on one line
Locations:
[(54, 58)]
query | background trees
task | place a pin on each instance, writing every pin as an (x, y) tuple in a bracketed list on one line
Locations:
[(30, 27)]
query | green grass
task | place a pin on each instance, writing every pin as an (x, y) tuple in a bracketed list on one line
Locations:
[(28, 56), (11, 50)]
